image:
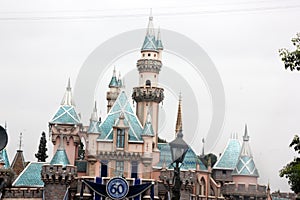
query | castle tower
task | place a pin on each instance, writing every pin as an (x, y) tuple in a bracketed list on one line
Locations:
[(114, 90), (65, 126), (148, 95), (245, 170)]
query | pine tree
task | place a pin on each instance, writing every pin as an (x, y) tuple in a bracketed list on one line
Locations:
[(41, 155)]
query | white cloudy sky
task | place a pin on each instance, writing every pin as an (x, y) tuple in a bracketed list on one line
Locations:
[(42, 43)]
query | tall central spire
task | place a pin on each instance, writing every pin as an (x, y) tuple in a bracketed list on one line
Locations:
[(148, 94)]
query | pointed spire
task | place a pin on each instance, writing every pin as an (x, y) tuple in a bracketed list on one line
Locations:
[(113, 82), (67, 100), (94, 116), (20, 142), (203, 142), (120, 84), (179, 116), (246, 136), (150, 42), (245, 165), (150, 29), (158, 41)]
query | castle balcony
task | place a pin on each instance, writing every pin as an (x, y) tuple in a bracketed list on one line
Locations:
[(149, 65), (148, 93)]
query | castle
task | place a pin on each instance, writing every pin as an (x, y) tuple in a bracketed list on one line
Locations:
[(126, 143)]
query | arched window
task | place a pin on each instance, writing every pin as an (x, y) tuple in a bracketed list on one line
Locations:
[(148, 83), (202, 186)]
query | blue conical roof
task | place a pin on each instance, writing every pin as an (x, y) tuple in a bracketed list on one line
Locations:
[(150, 41), (121, 105), (159, 44), (94, 122), (66, 113), (60, 157), (230, 155), (113, 81), (4, 158), (245, 165)]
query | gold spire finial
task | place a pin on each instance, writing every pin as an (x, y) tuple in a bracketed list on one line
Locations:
[(179, 116)]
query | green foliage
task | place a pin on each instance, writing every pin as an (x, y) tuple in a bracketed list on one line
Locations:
[(205, 159), (81, 151), (292, 170), (291, 59), (160, 140), (41, 154)]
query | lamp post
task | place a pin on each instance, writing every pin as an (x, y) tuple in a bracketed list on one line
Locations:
[(178, 150)]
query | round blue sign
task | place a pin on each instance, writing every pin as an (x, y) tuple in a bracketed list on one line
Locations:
[(117, 188)]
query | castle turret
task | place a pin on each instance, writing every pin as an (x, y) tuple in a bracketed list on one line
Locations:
[(65, 126), (245, 170), (148, 94), (114, 90)]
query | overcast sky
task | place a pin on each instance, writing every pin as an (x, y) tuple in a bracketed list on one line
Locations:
[(43, 43)]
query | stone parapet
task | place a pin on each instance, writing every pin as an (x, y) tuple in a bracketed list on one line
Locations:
[(251, 190), (23, 192)]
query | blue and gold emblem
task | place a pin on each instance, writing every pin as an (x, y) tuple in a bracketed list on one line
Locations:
[(117, 188)]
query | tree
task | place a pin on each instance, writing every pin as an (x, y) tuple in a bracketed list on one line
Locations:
[(292, 170), (291, 59), (205, 159), (41, 155)]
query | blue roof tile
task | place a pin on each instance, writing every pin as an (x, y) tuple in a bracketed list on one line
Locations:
[(121, 105), (94, 127), (66, 114), (230, 155), (4, 158), (189, 163), (31, 175), (60, 157)]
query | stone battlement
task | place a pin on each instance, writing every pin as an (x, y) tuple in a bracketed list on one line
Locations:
[(58, 174), (244, 190)]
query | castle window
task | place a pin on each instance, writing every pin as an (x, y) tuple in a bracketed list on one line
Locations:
[(149, 54), (119, 168), (104, 168), (120, 138), (143, 55), (134, 169), (155, 55), (148, 83)]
